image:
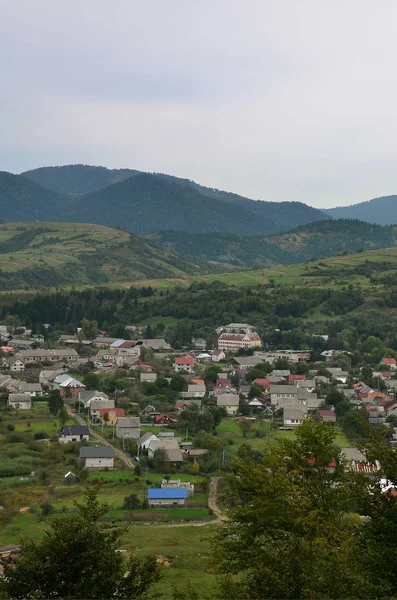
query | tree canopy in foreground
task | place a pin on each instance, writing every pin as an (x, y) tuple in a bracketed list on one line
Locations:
[(294, 529), (79, 558)]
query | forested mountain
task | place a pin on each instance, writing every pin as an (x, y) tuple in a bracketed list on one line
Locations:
[(24, 200), (382, 211), (84, 179), (315, 240), (146, 203), (38, 255), (77, 179)]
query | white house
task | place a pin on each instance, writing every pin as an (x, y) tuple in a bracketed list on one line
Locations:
[(229, 401), (145, 440), (97, 457), (74, 433), (218, 355), (20, 401), (294, 415), (128, 427)]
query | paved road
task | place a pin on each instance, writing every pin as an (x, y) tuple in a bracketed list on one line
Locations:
[(123, 456)]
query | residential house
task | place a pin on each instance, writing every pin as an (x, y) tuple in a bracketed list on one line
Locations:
[(113, 414), (204, 357), (4, 381), (170, 447), (33, 389), (390, 362), (327, 416), (96, 406), (106, 355), (97, 457), (177, 483), (20, 401), (164, 419), (294, 378), (256, 405), (48, 376), (71, 388), (217, 356), (184, 363), (194, 390), (64, 354), (283, 394), (140, 364), (246, 362), (231, 342), (74, 433), (167, 496), (229, 401), (87, 396), (263, 382), (308, 399), (236, 328), (103, 341), (183, 404), (309, 385), (146, 439), (128, 427), (148, 410), (148, 377), (284, 373), (156, 344), (294, 415), (15, 364)]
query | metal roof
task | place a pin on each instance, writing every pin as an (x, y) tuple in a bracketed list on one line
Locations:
[(96, 452), (167, 493)]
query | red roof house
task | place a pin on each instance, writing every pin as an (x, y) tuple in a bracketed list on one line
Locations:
[(184, 363), (263, 382), (389, 361), (139, 364), (293, 378)]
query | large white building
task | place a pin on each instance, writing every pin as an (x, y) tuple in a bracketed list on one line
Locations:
[(231, 342)]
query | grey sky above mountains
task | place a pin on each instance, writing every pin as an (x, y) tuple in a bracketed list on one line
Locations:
[(272, 99)]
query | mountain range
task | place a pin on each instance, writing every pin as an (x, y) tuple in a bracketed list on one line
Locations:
[(382, 211), (142, 202)]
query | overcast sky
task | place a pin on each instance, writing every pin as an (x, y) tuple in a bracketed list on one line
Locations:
[(273, 99)]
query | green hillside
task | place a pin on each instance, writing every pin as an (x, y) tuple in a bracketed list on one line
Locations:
[(362, 268), (34, 255), (315, 240)]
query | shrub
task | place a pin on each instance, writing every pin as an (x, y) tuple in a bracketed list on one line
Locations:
[(10, 427)]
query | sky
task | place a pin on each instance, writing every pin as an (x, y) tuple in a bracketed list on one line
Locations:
[(272, 99)]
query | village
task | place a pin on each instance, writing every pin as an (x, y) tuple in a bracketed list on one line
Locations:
[(156, 426)]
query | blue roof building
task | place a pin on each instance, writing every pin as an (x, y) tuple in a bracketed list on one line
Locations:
[(167, 496)]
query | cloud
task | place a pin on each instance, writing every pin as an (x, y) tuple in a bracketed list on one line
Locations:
[(272, 99)]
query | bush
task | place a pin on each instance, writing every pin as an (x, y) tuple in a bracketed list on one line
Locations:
[(40, 435), (10, 427)]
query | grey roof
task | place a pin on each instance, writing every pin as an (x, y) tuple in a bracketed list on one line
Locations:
[(29, 387), (104, 340), (19, 398), (97, 452), (102, 403), (294, 412), (174, 455), (145, 437), (75, 430), (156, 343), (308, 383), (49, 353), (283, 389), (281, 372), (165, 444), (246, 361), (129, 422), (228, 400)]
